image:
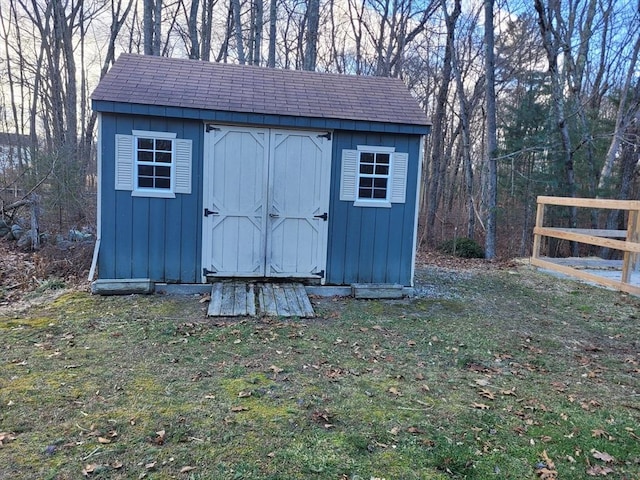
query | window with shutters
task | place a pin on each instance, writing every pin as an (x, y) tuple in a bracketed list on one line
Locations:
[(373, 176), (153, 164)]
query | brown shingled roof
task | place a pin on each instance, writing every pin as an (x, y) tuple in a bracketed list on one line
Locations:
[(151, 80)]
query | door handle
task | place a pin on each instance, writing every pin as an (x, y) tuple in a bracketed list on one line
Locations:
[(274, 215)]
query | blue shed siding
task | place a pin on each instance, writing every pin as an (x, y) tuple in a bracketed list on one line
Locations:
[(143, 237), (371, 245)]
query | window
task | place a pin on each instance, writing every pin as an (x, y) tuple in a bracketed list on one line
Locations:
[(153, 164), (373, 176)]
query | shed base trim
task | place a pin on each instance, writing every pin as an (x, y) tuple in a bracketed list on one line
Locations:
[(122, 286)]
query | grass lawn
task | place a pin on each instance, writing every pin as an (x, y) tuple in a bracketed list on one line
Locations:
[(490, 373)]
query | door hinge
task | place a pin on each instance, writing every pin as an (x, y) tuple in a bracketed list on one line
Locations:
[(319, 274), (206, 271), (325, 135), (208, 212), (210, 127), (324, 216)]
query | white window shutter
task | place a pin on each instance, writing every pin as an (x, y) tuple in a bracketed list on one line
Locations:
[(349, 175), (124, 162), (183, 166), (399, 178)]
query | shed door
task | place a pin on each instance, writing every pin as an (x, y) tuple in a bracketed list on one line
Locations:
[(266, 192)]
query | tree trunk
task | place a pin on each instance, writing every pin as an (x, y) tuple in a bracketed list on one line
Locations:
[(273, 17), (192, 25), (311, 44), (491, 181), (237, 27)]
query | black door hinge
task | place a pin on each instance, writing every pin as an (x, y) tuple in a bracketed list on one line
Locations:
[(208, 212), (325, 135), (206, 271), (210, 127), (324, 216), (319, 274)]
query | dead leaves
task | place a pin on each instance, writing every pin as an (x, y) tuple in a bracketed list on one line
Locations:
[(598, 471), (604, 456), (395, 391), (6, 437), (546, 469), (160, 438), (323, 417)]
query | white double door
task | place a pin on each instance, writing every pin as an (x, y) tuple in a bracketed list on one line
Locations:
[(266, 200)]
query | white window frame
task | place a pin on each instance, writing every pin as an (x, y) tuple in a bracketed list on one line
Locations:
[(374, 202), (152, 191)]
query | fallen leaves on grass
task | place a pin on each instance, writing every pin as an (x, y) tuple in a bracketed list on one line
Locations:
[(6, 437), (89, 469), (488, 394), (159, 439), (395, 391), (187, 468), (239, 408), (323, 417), (546, 469), (598, 471), (604, 456), (480, 406)]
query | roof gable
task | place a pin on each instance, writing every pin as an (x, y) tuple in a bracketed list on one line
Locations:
[(161, 81)]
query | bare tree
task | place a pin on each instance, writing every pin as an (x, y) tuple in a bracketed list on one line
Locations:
[(237, 28), (311, 44), (491, 179)]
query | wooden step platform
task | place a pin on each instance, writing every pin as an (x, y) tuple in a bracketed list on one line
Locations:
[(233, 299)]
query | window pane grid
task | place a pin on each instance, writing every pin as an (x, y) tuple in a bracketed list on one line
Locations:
[(154, 159), (373, 175)]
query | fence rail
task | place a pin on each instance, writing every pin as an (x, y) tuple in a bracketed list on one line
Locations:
[(629, 245)]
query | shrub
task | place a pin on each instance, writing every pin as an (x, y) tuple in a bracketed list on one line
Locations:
[(462, 247)]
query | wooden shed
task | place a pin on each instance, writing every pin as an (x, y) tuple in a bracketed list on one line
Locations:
[(211, 170)]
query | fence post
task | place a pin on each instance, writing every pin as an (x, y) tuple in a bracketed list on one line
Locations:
[(537, 238), (630, 259)]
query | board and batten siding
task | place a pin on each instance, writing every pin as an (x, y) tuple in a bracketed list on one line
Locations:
[(143, 237), (372, 245)]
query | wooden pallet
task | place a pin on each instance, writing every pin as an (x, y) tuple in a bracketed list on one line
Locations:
[(285, 300), (233, 299)]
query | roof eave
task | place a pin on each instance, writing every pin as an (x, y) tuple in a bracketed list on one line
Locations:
[(257, 118)]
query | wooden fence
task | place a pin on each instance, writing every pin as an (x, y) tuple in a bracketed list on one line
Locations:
[(626, 241)]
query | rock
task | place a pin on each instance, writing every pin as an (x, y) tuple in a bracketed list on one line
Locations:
[(79, 236), (17, 231), (25, 240)]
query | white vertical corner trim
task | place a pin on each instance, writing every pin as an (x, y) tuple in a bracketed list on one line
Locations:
[(349, 175), (400, 166), (96, 247), (183, 166), (124, 162), (416, 207)]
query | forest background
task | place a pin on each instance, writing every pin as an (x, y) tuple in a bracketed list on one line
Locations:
[(527, 98)]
